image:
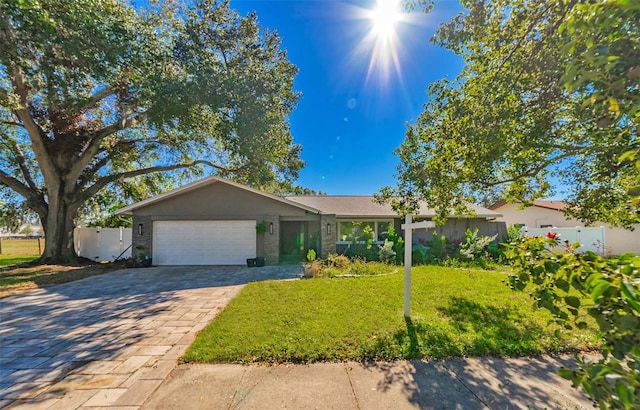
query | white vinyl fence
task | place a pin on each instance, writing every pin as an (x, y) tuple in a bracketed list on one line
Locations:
[(590, 239), (103, 244)]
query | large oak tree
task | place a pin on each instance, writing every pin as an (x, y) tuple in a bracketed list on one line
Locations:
[(95, 95), (549, 97)]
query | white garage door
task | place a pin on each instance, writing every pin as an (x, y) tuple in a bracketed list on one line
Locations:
[(203, 242)]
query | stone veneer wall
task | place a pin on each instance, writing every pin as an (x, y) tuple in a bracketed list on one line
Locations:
[(272, 241), (143, 240), (327, 241)]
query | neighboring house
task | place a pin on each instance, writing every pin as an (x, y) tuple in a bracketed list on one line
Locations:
[(213, 222), (548, 214)]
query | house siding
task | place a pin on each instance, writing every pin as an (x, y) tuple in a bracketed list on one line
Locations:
[(455, 229), (219, 201), (143, 241), (272, 240)]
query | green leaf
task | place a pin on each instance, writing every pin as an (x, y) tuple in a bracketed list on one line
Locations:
[(581, 325), (562, 284), (629, 295), (625, 394), (599, 289), (572, 301), (629, 155), (551, 266)]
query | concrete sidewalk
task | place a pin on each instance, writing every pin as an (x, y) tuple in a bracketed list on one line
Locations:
[(477, 383)]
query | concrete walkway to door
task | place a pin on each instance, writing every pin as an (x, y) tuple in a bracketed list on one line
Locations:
[(110, 340)]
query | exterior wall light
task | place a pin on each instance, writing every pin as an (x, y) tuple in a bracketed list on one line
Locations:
[(328, 229), (271, 228), (140, 229)]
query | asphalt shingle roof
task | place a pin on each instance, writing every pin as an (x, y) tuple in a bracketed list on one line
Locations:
[(365, 206)]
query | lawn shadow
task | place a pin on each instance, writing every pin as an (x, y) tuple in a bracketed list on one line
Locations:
[(483, 381), (495, 330)]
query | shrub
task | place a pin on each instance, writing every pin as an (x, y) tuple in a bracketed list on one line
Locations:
[(386, 253), (557, 280), (313, 269), (437, 248), (398, 244), (360, 267), (474, 245), (311, 255), (363, 251), (418, 254), (338, 261), (514, 234)]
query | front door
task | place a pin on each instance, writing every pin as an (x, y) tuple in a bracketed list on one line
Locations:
[(292, 241)]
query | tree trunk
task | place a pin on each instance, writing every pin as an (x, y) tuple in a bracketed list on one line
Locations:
[(58, 228)]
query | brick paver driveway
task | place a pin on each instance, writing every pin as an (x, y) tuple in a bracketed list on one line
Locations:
[(110, 340)]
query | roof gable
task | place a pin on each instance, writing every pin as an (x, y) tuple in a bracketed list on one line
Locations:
[(128, 210)]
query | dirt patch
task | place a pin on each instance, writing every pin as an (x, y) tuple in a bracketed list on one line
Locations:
[(19, 279)]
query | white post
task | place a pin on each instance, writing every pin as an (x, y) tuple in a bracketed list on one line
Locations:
[(407, 264)]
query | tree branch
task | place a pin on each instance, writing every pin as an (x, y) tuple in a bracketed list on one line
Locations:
[(35, 132), (89, 172), (528, 174), (104, 181), (97, 97), (94, 146), (14, 123), (13, 147), (34, 199), (524, 36)]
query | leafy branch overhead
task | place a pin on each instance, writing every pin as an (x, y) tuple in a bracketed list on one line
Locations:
[(549, 96), (96, 95)]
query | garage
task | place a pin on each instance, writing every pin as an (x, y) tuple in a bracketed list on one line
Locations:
[(203, 242)]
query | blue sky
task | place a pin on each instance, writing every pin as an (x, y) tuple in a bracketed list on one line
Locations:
[(354, 111)]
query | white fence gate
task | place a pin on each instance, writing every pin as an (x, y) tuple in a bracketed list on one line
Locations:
[(102, 244), (591, 239)]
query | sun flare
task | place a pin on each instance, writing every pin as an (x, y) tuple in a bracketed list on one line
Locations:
[(381, 26), (384, 18)]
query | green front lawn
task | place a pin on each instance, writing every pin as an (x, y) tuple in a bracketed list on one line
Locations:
[(455, 312), (6, 260)]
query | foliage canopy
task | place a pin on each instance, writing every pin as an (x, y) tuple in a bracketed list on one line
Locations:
[(97, 98), (549, 95)]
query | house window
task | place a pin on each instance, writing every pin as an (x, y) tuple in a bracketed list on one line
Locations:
[(383, 230), (363, 231)]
